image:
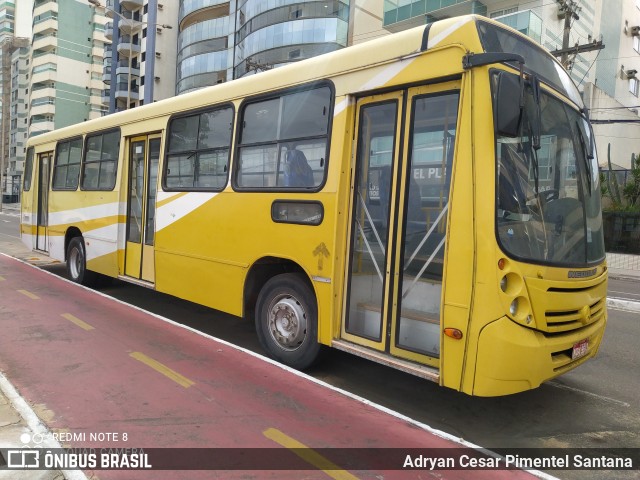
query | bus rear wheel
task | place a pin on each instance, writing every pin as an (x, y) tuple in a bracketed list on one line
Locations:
[(287, 321), (77, 264)]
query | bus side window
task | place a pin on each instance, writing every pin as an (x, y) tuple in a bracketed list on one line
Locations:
[(198, 151), (284, 140)]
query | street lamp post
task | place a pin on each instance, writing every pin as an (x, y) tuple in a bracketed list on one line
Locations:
[(97, 3)]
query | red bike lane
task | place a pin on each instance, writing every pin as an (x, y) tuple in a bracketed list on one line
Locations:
[(94, 368)]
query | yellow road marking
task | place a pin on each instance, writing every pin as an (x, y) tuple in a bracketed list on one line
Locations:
[(77, 321), (2, 279), (32, 296), (308, 455), (163, 369)]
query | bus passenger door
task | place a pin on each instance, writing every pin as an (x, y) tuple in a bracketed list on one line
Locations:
[(404, 154), (42, 214), (144, 154), (378, 124), (430, 131)]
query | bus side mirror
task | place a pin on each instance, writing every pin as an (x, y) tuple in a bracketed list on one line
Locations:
[(508, 113)]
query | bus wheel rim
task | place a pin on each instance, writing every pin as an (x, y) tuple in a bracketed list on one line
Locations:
[(287, 322), (75, 263)]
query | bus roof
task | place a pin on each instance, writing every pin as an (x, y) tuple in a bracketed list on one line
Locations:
[(460, 31)]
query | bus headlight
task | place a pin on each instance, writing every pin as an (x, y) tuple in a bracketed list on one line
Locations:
[(513, 308), (503, 283)]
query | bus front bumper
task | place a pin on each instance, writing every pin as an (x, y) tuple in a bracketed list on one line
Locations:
[(512, 358)]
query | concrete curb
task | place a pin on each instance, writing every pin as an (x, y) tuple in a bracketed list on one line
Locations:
[(625, 305)]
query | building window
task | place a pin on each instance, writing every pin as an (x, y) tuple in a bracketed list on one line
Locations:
[(636, 43), (634, 85), (506, 11)]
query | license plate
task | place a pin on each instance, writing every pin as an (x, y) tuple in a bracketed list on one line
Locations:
[(580, 349)]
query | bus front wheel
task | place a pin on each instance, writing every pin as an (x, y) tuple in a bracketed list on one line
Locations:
[(77, 263), (287, 321)]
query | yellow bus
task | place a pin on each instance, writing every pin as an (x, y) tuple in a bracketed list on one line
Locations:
[(428, 200)]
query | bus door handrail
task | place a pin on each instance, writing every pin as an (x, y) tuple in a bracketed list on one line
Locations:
[(366, 242), (373, 226), (427, 235), (424, 267)]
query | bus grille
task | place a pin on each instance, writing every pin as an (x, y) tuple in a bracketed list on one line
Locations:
[(563, 306), (563, 321)]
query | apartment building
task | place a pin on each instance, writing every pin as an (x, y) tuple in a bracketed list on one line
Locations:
[(608, 78), (139, 63), (223, 40), (67, 51), (17, 122)]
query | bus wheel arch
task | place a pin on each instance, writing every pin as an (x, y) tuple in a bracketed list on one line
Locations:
[(285, 312)]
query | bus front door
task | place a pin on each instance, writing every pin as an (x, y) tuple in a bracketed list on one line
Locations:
[(42, 214), (144, 154), (404, 153)]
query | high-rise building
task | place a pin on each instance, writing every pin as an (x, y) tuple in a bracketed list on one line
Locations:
[(139, 64), (18, 118), (609, 78), (7, 31), (220, 41), (67, 51)]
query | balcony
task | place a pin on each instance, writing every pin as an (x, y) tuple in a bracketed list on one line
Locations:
[(127, 47), (45, 25), (106, 96), (45, 42), (526, 22), (108, 30), (123, 92), (123, 68), (109, 8), (42, 7), (106, 74), (418, 12), (131, 4), (42, 108), (129, 23)]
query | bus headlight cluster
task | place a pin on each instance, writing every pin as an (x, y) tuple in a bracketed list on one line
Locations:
[(515, 294)]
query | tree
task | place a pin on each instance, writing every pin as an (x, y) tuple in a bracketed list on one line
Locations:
[(631, 190)]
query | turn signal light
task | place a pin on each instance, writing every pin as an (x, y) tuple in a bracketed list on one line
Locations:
[(453, 333)]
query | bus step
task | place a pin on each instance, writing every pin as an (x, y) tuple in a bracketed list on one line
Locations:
[(422, 371)]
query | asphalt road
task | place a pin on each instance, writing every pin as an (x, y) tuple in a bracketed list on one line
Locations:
[(594, 406)]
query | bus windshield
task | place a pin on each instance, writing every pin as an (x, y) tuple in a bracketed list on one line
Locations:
[(548, 192)]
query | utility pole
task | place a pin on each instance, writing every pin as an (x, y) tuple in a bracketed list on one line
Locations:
[(571, 9)]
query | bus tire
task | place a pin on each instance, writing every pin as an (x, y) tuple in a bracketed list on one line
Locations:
[(287, 321), (77, 264)]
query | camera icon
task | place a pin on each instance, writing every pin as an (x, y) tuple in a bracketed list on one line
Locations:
[(23, 458)]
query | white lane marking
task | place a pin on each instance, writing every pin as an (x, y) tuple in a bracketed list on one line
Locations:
[(625, 293), (590, 394)]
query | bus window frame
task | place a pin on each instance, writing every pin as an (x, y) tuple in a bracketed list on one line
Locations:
[(29, 170), (279, 143), (55, 164), (84, 159), (189, 113)]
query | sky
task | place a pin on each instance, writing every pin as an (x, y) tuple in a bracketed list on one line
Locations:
[(23, 18)]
